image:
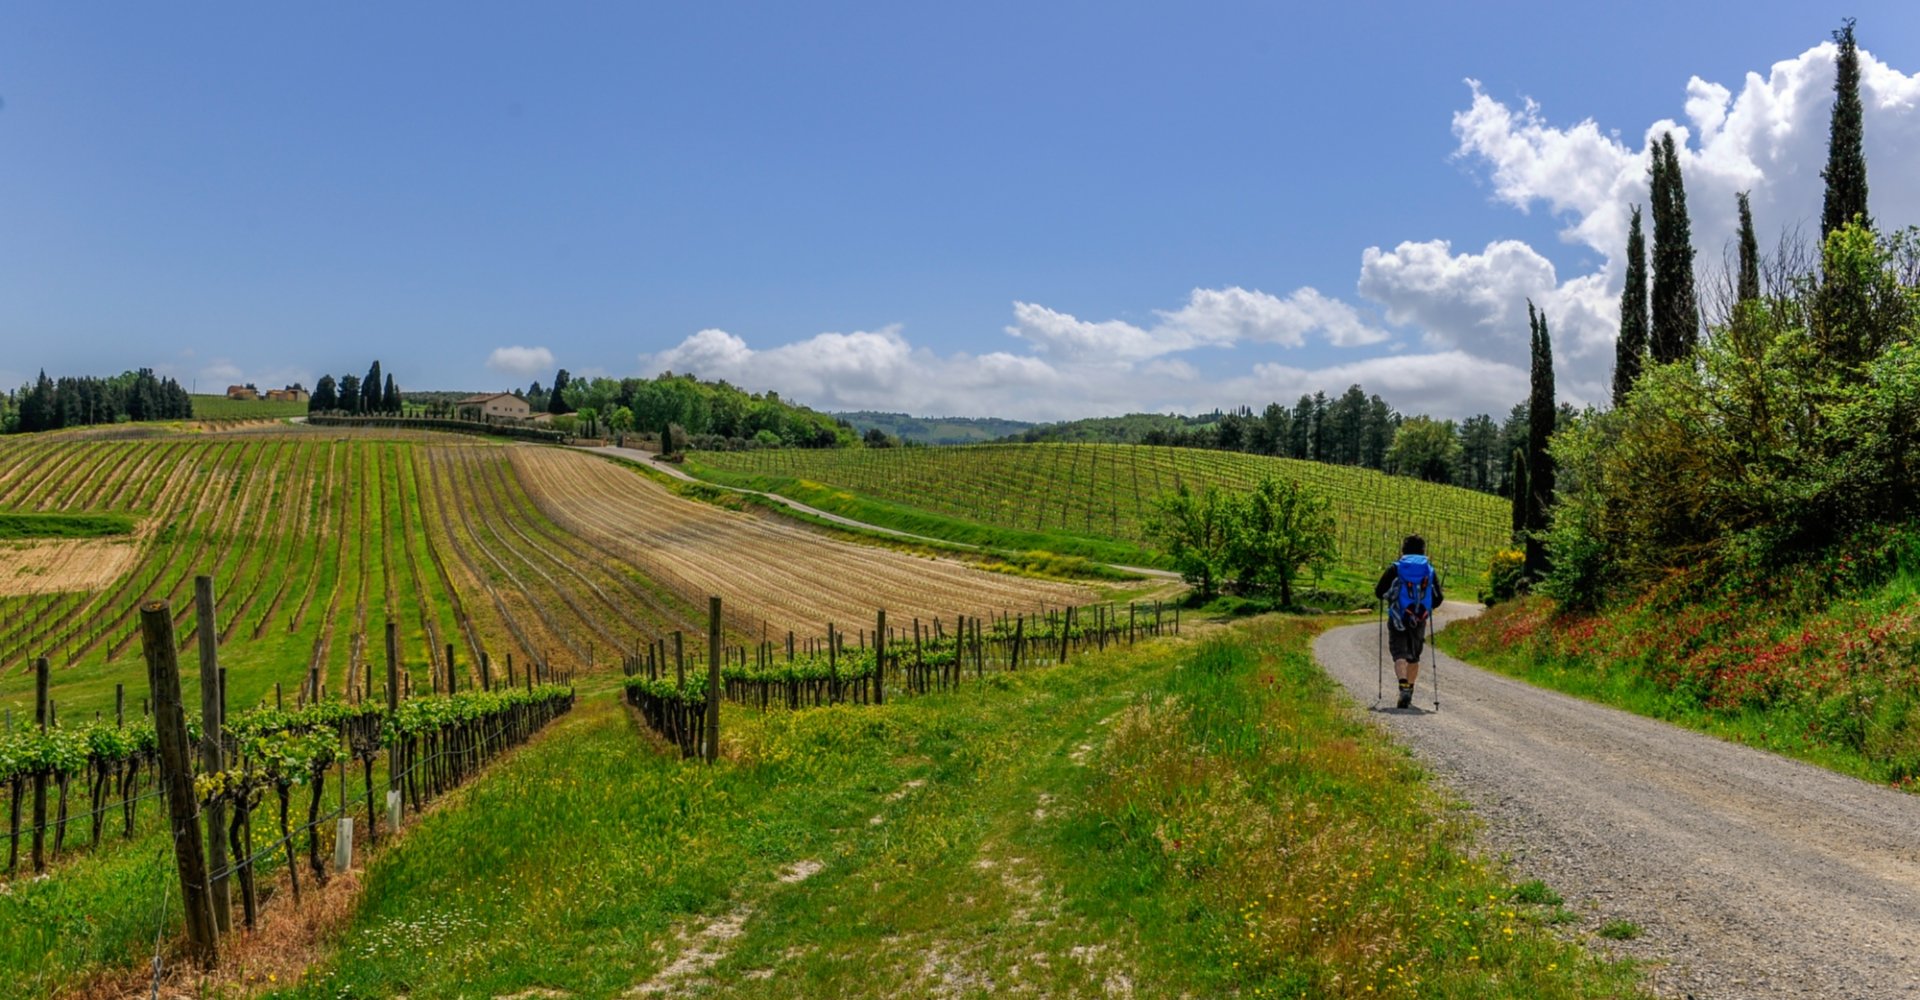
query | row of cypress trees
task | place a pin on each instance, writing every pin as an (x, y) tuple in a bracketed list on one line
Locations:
[(1660, 317), (352, 394)]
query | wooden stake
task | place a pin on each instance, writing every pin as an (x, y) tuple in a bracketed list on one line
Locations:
[(713, 679), (41, 676), (210, 748), (176, 774)]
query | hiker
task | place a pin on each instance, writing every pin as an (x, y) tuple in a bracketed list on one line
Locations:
[(1411, 588)]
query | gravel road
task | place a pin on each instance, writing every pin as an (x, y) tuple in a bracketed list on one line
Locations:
[(1749, 875)]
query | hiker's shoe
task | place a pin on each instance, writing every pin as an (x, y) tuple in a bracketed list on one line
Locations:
[(1406, 696)]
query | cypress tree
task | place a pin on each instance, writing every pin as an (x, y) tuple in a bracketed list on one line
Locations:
[(1676, 313), (1846, 172), (1540, 422), (556, 401), (1630, 350), (1749, 287), (324, 397), (390, 397), (1520, 493), (370, 390)]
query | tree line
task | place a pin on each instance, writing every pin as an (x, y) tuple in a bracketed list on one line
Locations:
[(354, 395), (1354, 428), (48, 404), (686, 411)]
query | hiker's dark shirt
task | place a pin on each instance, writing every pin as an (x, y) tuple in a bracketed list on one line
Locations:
[(1392, 576)]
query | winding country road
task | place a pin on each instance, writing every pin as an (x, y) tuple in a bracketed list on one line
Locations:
[(1750, 875)]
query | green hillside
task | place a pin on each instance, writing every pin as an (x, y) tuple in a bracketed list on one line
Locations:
[(1092, 499), (934, 430)]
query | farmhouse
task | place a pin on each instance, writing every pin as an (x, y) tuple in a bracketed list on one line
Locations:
[(242, 392), (291, 394), (493, 405)]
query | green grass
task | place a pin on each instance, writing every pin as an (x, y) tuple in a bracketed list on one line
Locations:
[(1825, 682), (1121, 820), (1093, 500), (1619, 930), (210, 407), (15, 525)]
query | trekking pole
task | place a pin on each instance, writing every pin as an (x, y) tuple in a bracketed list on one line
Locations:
[(1433, 660), (1380, 655)]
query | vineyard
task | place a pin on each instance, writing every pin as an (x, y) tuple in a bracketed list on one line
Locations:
[(478, 552), (932, 656), (1105, 492)]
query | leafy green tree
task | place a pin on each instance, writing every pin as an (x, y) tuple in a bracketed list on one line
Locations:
[(324, 397), (1630, 350), (1479, 454), (1280, 528), (620, 421), (1425, 448), (1540, 423), (1193, 529), (1861, 305), (350, 393), (1846, 172), (589, 419)]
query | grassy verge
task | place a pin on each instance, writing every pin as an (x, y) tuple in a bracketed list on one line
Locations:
[(1199, 818), (19, 526), (1832, 684)]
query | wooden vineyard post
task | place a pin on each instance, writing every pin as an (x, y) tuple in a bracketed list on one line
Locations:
[(880, 658), (393, 751), (713, 679), (210, 748), (40, 679), (176, 776), (486, 669), (119, 707), (833, 666), (1066, 634)]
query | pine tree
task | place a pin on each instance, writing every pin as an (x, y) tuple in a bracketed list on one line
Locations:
[(1629, 352), (1749, 287), (1540, 423), (350, 393), (1675, 311), (1846, 172)]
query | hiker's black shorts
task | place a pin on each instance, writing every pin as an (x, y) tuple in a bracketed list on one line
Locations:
[(1405, 645)]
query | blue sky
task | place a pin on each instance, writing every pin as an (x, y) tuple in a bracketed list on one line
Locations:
[(1006, 209)]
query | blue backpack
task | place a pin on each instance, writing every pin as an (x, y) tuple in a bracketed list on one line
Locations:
[(1412, 598)]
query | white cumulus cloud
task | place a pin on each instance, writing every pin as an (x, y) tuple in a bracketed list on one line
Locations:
[(1450, 335), (525, 362), (1212, 317)]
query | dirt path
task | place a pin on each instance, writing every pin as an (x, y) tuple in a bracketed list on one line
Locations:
[(1749, 875), (646, 458)]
